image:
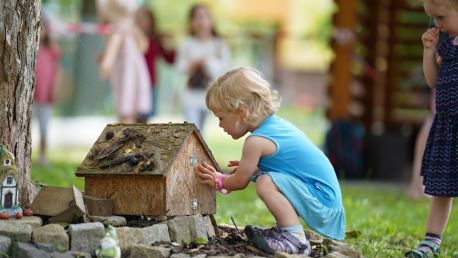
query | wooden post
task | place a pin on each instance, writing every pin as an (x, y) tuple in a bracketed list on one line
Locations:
[(345, 19)]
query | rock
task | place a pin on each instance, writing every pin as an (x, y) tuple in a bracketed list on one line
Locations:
[(115, 221), (33, 221), (5, 244), (209, 226), (200, 256), (143, 236), (19, 232), (52, 234), (146, 251), (181, 255), (190, 228), (198, 228), (27, 250), (155, 233), (46, 247), (86, 237), (179, 229)]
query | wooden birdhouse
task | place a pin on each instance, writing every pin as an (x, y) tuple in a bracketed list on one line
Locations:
[(149, 169)]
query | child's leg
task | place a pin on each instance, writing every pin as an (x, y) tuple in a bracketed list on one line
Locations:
[(289, 235), (439, 213), (276, 202)]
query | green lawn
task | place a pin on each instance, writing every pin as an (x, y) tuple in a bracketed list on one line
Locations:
[(387, 221)]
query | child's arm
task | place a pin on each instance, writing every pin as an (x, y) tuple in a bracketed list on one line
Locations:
[(109, 55), (253, 149), (430, 39)]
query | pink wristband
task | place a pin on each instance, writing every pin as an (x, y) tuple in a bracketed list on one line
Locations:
[(220, 187)]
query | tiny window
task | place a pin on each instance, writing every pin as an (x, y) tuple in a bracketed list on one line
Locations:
[(9, 180), (7, 162)]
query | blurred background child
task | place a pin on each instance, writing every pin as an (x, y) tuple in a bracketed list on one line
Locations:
[(146, 21), (122, 60), (47, 77), (202, 57)]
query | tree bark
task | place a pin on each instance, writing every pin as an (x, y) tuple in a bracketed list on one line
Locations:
[(19, 32)]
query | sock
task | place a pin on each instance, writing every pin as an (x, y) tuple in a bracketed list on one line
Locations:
[(297, 231), (433, 238)]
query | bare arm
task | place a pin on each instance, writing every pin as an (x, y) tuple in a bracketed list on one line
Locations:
[(254, 148), (430, 39), (109, 55)]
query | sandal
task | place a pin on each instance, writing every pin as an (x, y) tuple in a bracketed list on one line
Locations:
[(419, 253), (276, 240)]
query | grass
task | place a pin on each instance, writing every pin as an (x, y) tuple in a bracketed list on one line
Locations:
[(387, 222)]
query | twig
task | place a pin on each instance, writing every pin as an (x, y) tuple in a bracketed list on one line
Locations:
[(233, 222)]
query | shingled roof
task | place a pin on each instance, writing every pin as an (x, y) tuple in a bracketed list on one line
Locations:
[(140, 149)]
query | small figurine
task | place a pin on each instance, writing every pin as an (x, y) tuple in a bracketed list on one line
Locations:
[(9, 179), (109, 247)]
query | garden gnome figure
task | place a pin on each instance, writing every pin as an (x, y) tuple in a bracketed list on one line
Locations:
[(109, 247), (9, 186)]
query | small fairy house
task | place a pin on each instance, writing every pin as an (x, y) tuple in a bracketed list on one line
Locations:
[(9, 178), (149, 169)]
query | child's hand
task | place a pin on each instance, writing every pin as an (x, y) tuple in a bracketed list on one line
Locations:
[(430, 38), (207, 174), (233, 163)]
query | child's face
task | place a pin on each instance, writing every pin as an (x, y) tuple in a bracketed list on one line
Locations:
[(143, 21), (201, 21), (232, 123), (445, 16)]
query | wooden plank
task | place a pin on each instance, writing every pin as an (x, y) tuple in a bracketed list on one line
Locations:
[(183, 185), (70, 215), (98, 206), (131, 195), (51, 201)]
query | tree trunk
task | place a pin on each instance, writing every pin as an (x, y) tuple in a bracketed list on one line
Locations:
[(19, 27)]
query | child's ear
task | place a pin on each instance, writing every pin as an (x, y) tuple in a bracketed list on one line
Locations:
[(243, 113)]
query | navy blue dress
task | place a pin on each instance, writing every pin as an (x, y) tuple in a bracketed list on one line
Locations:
[(440, 160)]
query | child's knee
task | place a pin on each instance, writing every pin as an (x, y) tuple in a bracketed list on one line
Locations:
[(264, 185)]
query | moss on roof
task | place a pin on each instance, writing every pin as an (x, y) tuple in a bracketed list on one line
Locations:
[(140, 149)]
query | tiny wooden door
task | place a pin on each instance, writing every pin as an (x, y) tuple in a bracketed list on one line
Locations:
[(8, 200)]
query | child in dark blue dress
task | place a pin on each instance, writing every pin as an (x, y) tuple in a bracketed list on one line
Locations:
[(440, 160)]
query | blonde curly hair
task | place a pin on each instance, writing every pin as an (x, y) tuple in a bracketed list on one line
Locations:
[(450, 3), (243, 89)]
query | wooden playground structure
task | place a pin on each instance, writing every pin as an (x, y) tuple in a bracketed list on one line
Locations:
[(378, 53)]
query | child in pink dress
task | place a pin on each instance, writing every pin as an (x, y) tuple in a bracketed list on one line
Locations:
[(46, 78), (123, 62), (146, 21)]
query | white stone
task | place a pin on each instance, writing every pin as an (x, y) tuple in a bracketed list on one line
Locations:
[(86, 237), (52, 234), (19, 232)]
